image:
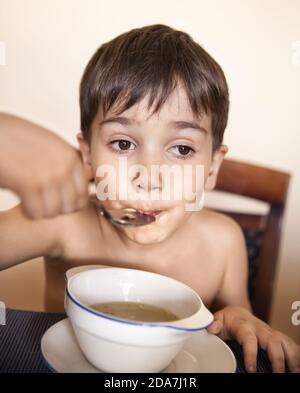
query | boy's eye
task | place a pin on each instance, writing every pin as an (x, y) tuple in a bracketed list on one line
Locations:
[(183, 151), (120, 145)]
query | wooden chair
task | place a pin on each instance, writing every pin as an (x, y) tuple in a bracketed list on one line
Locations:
[(266, 185)]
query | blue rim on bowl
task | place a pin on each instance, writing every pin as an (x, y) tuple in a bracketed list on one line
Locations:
[(145, 324)]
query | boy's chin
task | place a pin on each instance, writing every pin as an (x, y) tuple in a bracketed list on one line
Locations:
[(143, 235)]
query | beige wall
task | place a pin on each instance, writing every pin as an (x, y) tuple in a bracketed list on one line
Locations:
[(49, 42)]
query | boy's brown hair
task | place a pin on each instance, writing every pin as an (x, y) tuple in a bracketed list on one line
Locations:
[(152, 60)]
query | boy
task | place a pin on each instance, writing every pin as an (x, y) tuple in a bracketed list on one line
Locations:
[(155, 97)]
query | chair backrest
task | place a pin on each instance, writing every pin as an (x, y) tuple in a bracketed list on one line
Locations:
[(266, 185)]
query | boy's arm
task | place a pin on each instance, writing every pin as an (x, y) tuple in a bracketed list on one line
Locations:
[(22, 239), (234, 288), (234, 319)]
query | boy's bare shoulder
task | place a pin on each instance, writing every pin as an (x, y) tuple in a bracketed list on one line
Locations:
[(220, 229), (226, 238)]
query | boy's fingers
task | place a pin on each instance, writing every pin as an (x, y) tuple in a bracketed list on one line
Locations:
[(292, 355), (248, 340), (276, 356), (215, 327), (218, 327)]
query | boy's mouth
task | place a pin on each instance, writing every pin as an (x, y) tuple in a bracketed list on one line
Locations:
[(153, 213)]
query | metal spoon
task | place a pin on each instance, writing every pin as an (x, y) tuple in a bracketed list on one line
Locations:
[(127, 216)]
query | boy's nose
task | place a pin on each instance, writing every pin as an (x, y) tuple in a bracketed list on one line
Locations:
[(147, 180), (147, 176)]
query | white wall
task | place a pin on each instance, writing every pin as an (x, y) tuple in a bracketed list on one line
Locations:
[(48, 44)]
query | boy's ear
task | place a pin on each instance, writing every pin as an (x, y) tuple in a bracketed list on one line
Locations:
[(86, 155), (215, 166)]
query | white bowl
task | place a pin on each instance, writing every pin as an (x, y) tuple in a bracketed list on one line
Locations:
[(117, 345)]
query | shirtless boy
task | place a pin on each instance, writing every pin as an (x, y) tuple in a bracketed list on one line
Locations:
[(155, 97)]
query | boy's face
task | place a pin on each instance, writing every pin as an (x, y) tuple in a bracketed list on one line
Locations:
[(172, 136)]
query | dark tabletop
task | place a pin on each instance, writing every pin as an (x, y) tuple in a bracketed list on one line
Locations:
[(20, 340)]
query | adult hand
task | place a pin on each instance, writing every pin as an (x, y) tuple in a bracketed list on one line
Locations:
[(45, 171)]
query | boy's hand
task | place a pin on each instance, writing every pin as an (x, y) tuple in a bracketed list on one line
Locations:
[(239, 324), (45, 171)]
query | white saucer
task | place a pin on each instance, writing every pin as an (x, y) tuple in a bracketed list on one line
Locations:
[(203, 353)]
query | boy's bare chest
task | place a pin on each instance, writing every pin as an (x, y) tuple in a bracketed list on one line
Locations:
[(184, 260)]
